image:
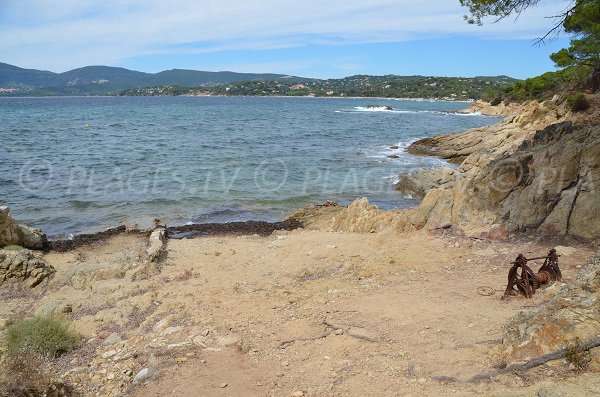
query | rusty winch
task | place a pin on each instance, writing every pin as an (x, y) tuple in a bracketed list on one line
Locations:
[(526, 281)]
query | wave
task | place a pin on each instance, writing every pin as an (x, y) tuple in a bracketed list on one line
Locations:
[(380, 109)]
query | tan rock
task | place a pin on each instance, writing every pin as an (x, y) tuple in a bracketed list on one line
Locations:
[(12, 233)]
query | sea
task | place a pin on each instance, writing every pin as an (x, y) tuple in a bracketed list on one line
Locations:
[(71, 165)]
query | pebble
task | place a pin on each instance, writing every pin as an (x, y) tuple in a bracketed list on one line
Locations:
[(111, 339), (338, 331), (143, 375), (228, 340), (223, 385), (298, 393), (109, 353), (171, 330)]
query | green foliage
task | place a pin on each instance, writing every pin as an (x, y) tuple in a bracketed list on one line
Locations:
[(584, 24), (499, 9), (389, 86), (577, 102), (12, 248), (576, 356), (43, 335), (540, 87)]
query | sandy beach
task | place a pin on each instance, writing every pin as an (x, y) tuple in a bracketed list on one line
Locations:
[(308, 311)]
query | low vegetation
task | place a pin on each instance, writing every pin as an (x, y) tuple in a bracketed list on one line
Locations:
[(577, 102), (47, 336)]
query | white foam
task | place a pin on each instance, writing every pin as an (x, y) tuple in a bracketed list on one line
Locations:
[(380, 109)]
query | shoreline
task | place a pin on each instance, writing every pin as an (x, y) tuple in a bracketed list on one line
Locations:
[(246, 96)]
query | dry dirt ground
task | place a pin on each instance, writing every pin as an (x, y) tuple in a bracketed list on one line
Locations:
[(310, 313)]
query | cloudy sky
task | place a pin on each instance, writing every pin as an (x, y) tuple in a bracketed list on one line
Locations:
[(302, 37)]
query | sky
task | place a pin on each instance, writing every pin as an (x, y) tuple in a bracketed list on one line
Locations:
[(309, 38)]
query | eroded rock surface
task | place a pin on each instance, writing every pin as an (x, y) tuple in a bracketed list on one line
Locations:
[(12, 233), (23, 266)]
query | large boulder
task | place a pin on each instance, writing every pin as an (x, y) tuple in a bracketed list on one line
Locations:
[(12, 233), (418, 183), (547, 184), (23, 267)]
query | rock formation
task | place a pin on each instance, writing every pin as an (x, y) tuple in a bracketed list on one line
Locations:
[(538, 170), (418, 183), (12, 233), (23, 267)]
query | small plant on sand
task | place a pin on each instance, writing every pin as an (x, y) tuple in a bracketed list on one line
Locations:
[(577, 357), (577, 102), (12, 248), (307, 274), (43, 335)]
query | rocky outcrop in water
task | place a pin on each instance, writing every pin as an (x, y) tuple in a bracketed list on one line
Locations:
[(537, 171), (12, 233), (23, 267)]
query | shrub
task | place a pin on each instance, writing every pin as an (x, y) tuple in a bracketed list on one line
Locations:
[(496, 101), (575, 356), (26, 375), (577, 102), (43, 335), (12, 248)]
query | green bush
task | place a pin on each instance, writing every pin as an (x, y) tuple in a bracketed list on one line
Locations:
[(12, 248), (577, 102), (43, 335)]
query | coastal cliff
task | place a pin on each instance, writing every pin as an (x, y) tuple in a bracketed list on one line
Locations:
[(536, 171)]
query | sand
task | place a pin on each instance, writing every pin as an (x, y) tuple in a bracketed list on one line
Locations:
[(305, 312)]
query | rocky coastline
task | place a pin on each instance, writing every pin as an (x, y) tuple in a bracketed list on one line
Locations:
[(537, 171), (336, 300)]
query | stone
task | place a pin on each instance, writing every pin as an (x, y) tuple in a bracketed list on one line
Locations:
[(223, 385), (298, 393), (112, 339), (338, 331), (228, 340), (4, 323), (533, 172), (12, 233), (53, 308), (109, 354), (156, 244), (144, 375), (564, 251), (418, 183), (172, 330), (24, 267)]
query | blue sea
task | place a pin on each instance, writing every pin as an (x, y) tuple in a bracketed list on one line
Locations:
[(81, 164)]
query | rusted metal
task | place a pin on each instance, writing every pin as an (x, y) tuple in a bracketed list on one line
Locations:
[(526, 281)]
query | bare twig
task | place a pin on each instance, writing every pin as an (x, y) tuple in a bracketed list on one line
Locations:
[(557, 355)]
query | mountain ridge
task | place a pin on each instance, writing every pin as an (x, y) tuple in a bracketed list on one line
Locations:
[(109, 80)]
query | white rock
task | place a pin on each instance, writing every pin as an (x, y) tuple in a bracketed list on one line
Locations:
[(228, 340), (564, 251), (171, 330), (144, 374)]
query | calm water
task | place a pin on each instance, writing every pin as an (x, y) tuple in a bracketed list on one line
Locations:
[(71, 165)]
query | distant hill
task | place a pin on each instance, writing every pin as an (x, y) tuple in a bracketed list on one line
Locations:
[(389, 86), (106, 80)]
